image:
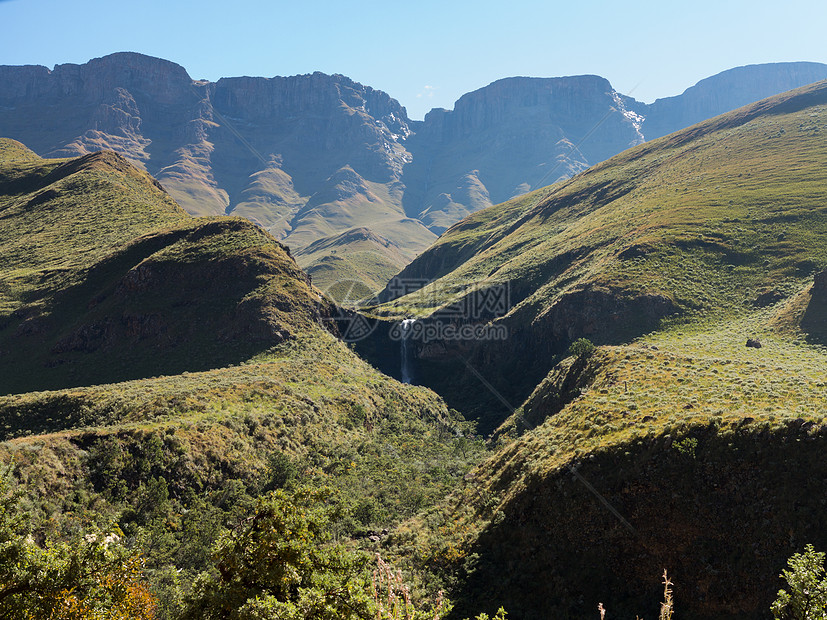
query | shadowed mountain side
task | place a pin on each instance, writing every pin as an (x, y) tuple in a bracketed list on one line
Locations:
[(686, 450), (805, 312), (512, 136)]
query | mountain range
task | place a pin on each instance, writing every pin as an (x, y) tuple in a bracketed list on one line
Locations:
[(311, 157)]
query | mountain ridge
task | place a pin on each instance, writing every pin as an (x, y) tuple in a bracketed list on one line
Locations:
[(266, 148), (95, 254)]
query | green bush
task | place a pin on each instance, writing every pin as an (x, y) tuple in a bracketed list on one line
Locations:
[(582, 347), (807, 598), (280, 563)]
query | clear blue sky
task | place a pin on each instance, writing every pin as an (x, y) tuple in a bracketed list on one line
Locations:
[(426, 53)]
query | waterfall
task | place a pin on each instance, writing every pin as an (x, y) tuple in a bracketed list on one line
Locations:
[(406, 351)]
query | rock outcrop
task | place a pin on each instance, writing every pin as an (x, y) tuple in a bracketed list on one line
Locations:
[(814, 320)]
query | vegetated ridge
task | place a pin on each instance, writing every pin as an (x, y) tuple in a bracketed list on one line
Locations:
[(238, 385), (707, 222), (105, 278)]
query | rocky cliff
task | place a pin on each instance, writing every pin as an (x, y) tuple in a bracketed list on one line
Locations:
[(510, 137), (257, 147), (726, 91)]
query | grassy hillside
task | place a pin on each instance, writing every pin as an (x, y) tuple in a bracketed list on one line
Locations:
[(675, 446), (352, 265), (312, 400), (707, 222), (60, 216), (105, 278), (174, 462), (238, 385)]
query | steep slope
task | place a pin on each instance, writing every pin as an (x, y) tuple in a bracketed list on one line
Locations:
[(104, 277), (257, 145), (311, 156), (705, 222), (698, 447), (806, 312), (687, 452)]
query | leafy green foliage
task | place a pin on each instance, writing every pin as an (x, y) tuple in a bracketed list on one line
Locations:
[(582, 347), (686, 446), (280, 563), (87, 577), (807, 596), (177, 461)]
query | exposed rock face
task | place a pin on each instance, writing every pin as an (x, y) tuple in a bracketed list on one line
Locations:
[(277, 150), (814, 321), (257, 147), (726, 91), (820, 284), (512, 136)]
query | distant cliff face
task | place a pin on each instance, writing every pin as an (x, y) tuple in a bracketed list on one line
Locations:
[(311, 156), (512, 136), (256, 147), (726, 91)]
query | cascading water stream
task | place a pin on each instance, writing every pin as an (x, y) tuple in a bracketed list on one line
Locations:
[(406, 369)]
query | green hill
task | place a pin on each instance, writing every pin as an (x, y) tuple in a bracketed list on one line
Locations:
[(352, 265), (675, 445), (708, 222), (105, 278), (692, 453), (161, 372)]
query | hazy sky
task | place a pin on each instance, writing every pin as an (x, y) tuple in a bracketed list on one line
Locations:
[(426, 53)]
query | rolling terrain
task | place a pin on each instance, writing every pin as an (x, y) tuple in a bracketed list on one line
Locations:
[(105, 278), (707, 222), (160, 373)]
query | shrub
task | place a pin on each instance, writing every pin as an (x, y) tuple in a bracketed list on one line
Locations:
[(807, 598), (90, 577), (280, 563), (582, 347)]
